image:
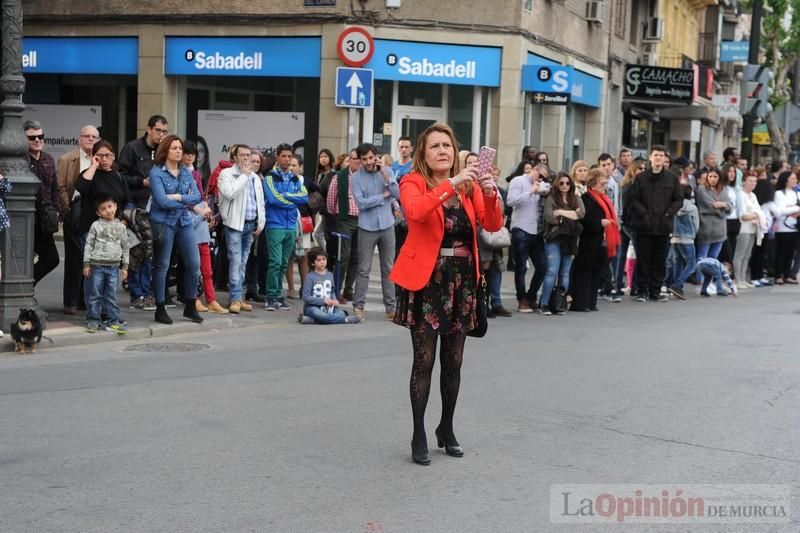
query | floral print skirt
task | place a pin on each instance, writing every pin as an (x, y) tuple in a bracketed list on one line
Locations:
[(446, 304)]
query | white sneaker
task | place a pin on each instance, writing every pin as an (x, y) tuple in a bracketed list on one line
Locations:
[(1, 333), (712, 289)]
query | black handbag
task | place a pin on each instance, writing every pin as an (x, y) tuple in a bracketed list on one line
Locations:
[(481, 310), (48, 217), (73, 218)]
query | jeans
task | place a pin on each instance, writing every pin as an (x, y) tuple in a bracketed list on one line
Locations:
[(164, 237), (238, 250), (321, 316), (707, 249), (281, 246), (102, 282), (683, 264), (528, 246), (367, 241), (494, 279), (711, 274), (139, 280), (619, 260), (558, 267)]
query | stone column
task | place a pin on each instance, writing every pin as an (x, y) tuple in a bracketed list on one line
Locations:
[(16, 243)]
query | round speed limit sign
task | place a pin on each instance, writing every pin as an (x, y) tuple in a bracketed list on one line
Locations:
[(355, 46)]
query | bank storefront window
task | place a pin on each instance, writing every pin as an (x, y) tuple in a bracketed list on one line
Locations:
[(581, 93), (262, 91), (65, 91), (427, 83)]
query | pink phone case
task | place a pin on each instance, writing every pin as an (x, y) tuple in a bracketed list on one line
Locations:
[(485, 159)]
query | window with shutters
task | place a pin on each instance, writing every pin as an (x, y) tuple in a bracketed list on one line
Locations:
[(620, 16)]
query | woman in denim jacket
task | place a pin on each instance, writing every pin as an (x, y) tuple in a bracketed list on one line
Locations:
[(173, 191)]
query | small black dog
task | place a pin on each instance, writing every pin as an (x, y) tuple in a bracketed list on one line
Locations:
[(26, 331)]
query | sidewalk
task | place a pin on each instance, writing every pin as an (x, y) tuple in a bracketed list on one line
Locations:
[(70, 330)]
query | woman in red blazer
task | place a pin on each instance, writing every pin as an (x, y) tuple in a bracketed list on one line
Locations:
[(437, 271)]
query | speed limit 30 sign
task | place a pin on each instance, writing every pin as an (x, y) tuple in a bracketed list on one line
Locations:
[(355, 46)]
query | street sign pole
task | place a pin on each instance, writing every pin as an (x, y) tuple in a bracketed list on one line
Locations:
[(352, 127), (752, 58)]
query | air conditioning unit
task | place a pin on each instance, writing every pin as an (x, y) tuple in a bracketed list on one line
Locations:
[(653, 30), (595, 11), (649, 59)]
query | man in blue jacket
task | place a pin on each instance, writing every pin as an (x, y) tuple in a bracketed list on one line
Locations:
[(283, 192)]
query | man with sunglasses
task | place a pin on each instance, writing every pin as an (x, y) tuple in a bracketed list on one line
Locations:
[(44, 166)]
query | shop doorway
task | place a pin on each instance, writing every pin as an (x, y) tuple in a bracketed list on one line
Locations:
[(414, 120)]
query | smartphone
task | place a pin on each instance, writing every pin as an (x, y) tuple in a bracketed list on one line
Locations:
[(485, 159), (378, 167)]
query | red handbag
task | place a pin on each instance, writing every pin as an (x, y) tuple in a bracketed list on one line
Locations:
[(306, 224)]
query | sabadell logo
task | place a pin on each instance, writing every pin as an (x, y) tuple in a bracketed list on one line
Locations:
[(452, 69), (217, 61)]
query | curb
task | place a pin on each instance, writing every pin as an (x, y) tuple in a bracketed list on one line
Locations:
[(77, 336)]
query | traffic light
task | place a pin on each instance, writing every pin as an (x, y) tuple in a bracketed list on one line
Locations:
[(756, 91)]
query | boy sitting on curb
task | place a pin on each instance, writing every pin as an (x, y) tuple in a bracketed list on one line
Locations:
[(320, 306)]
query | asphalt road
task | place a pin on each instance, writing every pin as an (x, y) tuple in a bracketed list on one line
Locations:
[(289, 428)]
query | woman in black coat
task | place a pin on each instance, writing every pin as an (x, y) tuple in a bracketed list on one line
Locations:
[(591, 256)]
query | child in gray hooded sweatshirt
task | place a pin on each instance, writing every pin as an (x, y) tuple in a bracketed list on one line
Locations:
[(105, 263)]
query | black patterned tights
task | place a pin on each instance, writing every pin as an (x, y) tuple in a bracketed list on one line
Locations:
[(450, 355)]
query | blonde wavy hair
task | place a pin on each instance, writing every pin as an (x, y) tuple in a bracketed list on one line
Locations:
[(575, 166), (421, 166)]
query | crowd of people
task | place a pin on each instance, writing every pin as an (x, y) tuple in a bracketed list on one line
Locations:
[(645, 227), (445, 227), (241, 227)]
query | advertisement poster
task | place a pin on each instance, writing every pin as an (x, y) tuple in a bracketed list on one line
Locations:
[(260, 130), (61, 124)]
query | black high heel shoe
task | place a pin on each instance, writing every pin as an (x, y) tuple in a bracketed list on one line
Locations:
[(453, 450), (419, 453)]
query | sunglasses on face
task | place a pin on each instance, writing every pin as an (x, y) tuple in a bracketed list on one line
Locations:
[(542, 160), (563, 183), (36, 137)]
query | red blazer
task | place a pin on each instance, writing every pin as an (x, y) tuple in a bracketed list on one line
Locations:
[(423, 211)]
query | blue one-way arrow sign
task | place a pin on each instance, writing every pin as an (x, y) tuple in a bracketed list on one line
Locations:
[(354, 87)]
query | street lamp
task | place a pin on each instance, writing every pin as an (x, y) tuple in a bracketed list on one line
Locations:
[(16, 243)]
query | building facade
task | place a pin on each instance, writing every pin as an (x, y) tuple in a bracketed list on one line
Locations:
[(269, 73)]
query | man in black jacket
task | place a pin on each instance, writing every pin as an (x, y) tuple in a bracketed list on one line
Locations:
[(135, 161), (652, 202), (43, 166)]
